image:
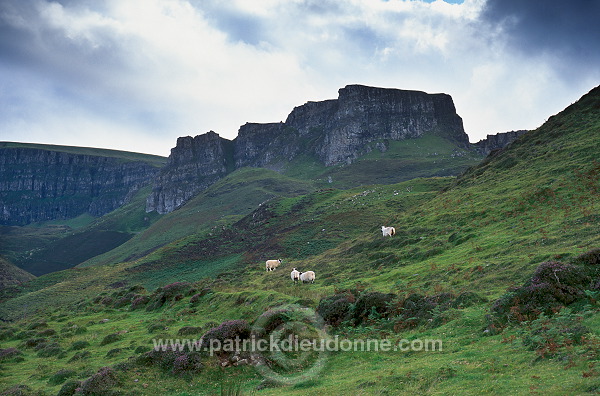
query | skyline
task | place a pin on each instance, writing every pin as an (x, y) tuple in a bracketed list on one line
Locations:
[(134, 75)]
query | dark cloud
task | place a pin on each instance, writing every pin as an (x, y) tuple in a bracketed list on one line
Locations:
[(563, 28)]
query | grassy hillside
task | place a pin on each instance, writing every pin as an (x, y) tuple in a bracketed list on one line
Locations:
[(427, 156), (155, 160), (526, 218), (11, 275)]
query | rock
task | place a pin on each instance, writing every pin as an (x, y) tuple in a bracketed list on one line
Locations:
[(42, 184), (336, 131)]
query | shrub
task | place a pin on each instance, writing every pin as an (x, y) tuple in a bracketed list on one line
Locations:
[(50, 349), (467, 299), (77, 345), (336, 309), (37, 326), (196, 297), (552, 286), (46, 333), (110, 338), (548, 336), (69, 388), (34, 342), (61, 376), (10, 354), (100, 383), (189, 330), (372, 304), (7, 334), (18, 390), (113, 352), (173, 291), (80, 356), (228, 330), (172, 361), (139, 302), (418, 310)]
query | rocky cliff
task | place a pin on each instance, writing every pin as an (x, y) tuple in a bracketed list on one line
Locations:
[(335, 132), (497, 141), (39, 184), (194, 164)]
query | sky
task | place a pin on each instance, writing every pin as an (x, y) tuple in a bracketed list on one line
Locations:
[(136, 74)]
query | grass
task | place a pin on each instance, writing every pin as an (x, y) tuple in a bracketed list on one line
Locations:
[(155, 160), (483, 232)]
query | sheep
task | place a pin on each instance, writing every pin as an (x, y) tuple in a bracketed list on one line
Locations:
[(308, 276), (272, 264), (388, 231), (295, 275)]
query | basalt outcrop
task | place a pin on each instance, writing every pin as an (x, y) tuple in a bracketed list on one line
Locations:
[(45, 184), (334, 132)]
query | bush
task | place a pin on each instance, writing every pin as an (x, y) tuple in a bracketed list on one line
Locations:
[(7, 334), (80, 356), (189, 330), (77, 345), (418, 310), (69, 388), (139, 302), (196, 297), (34, 342), (174, 291), (46, 333), (37, 326), (113, 352), (18, 390), (336, 309), (227, 331), (372, 305), (552, 286), (49, 350), (10, 354), (100, 383), (110, 338), (61, 376), (549, 336), (172, 361)]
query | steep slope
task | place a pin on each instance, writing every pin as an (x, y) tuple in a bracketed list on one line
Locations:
[(11, 275), (45, 182)]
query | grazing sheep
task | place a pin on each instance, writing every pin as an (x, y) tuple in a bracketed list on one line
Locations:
[(308, 276), (388, 231), (272, 264), (295, 275)]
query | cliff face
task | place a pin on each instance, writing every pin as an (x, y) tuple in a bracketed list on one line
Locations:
[(39, 185), (194, 164), (497, 141), (336, 131)]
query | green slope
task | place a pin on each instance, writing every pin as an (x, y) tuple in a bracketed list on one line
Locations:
[(155, 160), (483, 232)]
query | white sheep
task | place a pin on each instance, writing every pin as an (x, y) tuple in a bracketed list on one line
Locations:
[(388, 231), (272, 264), (308, 276), (295, 275)]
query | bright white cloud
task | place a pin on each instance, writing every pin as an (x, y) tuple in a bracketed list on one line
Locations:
[(150, 70)]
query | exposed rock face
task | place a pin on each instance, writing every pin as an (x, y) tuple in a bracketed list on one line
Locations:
[(39, 185), (366, 114), (499, 140), (334, 131), (194, 164)]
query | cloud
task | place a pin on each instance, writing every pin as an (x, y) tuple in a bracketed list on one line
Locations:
[(72, 69), (568, 31)]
